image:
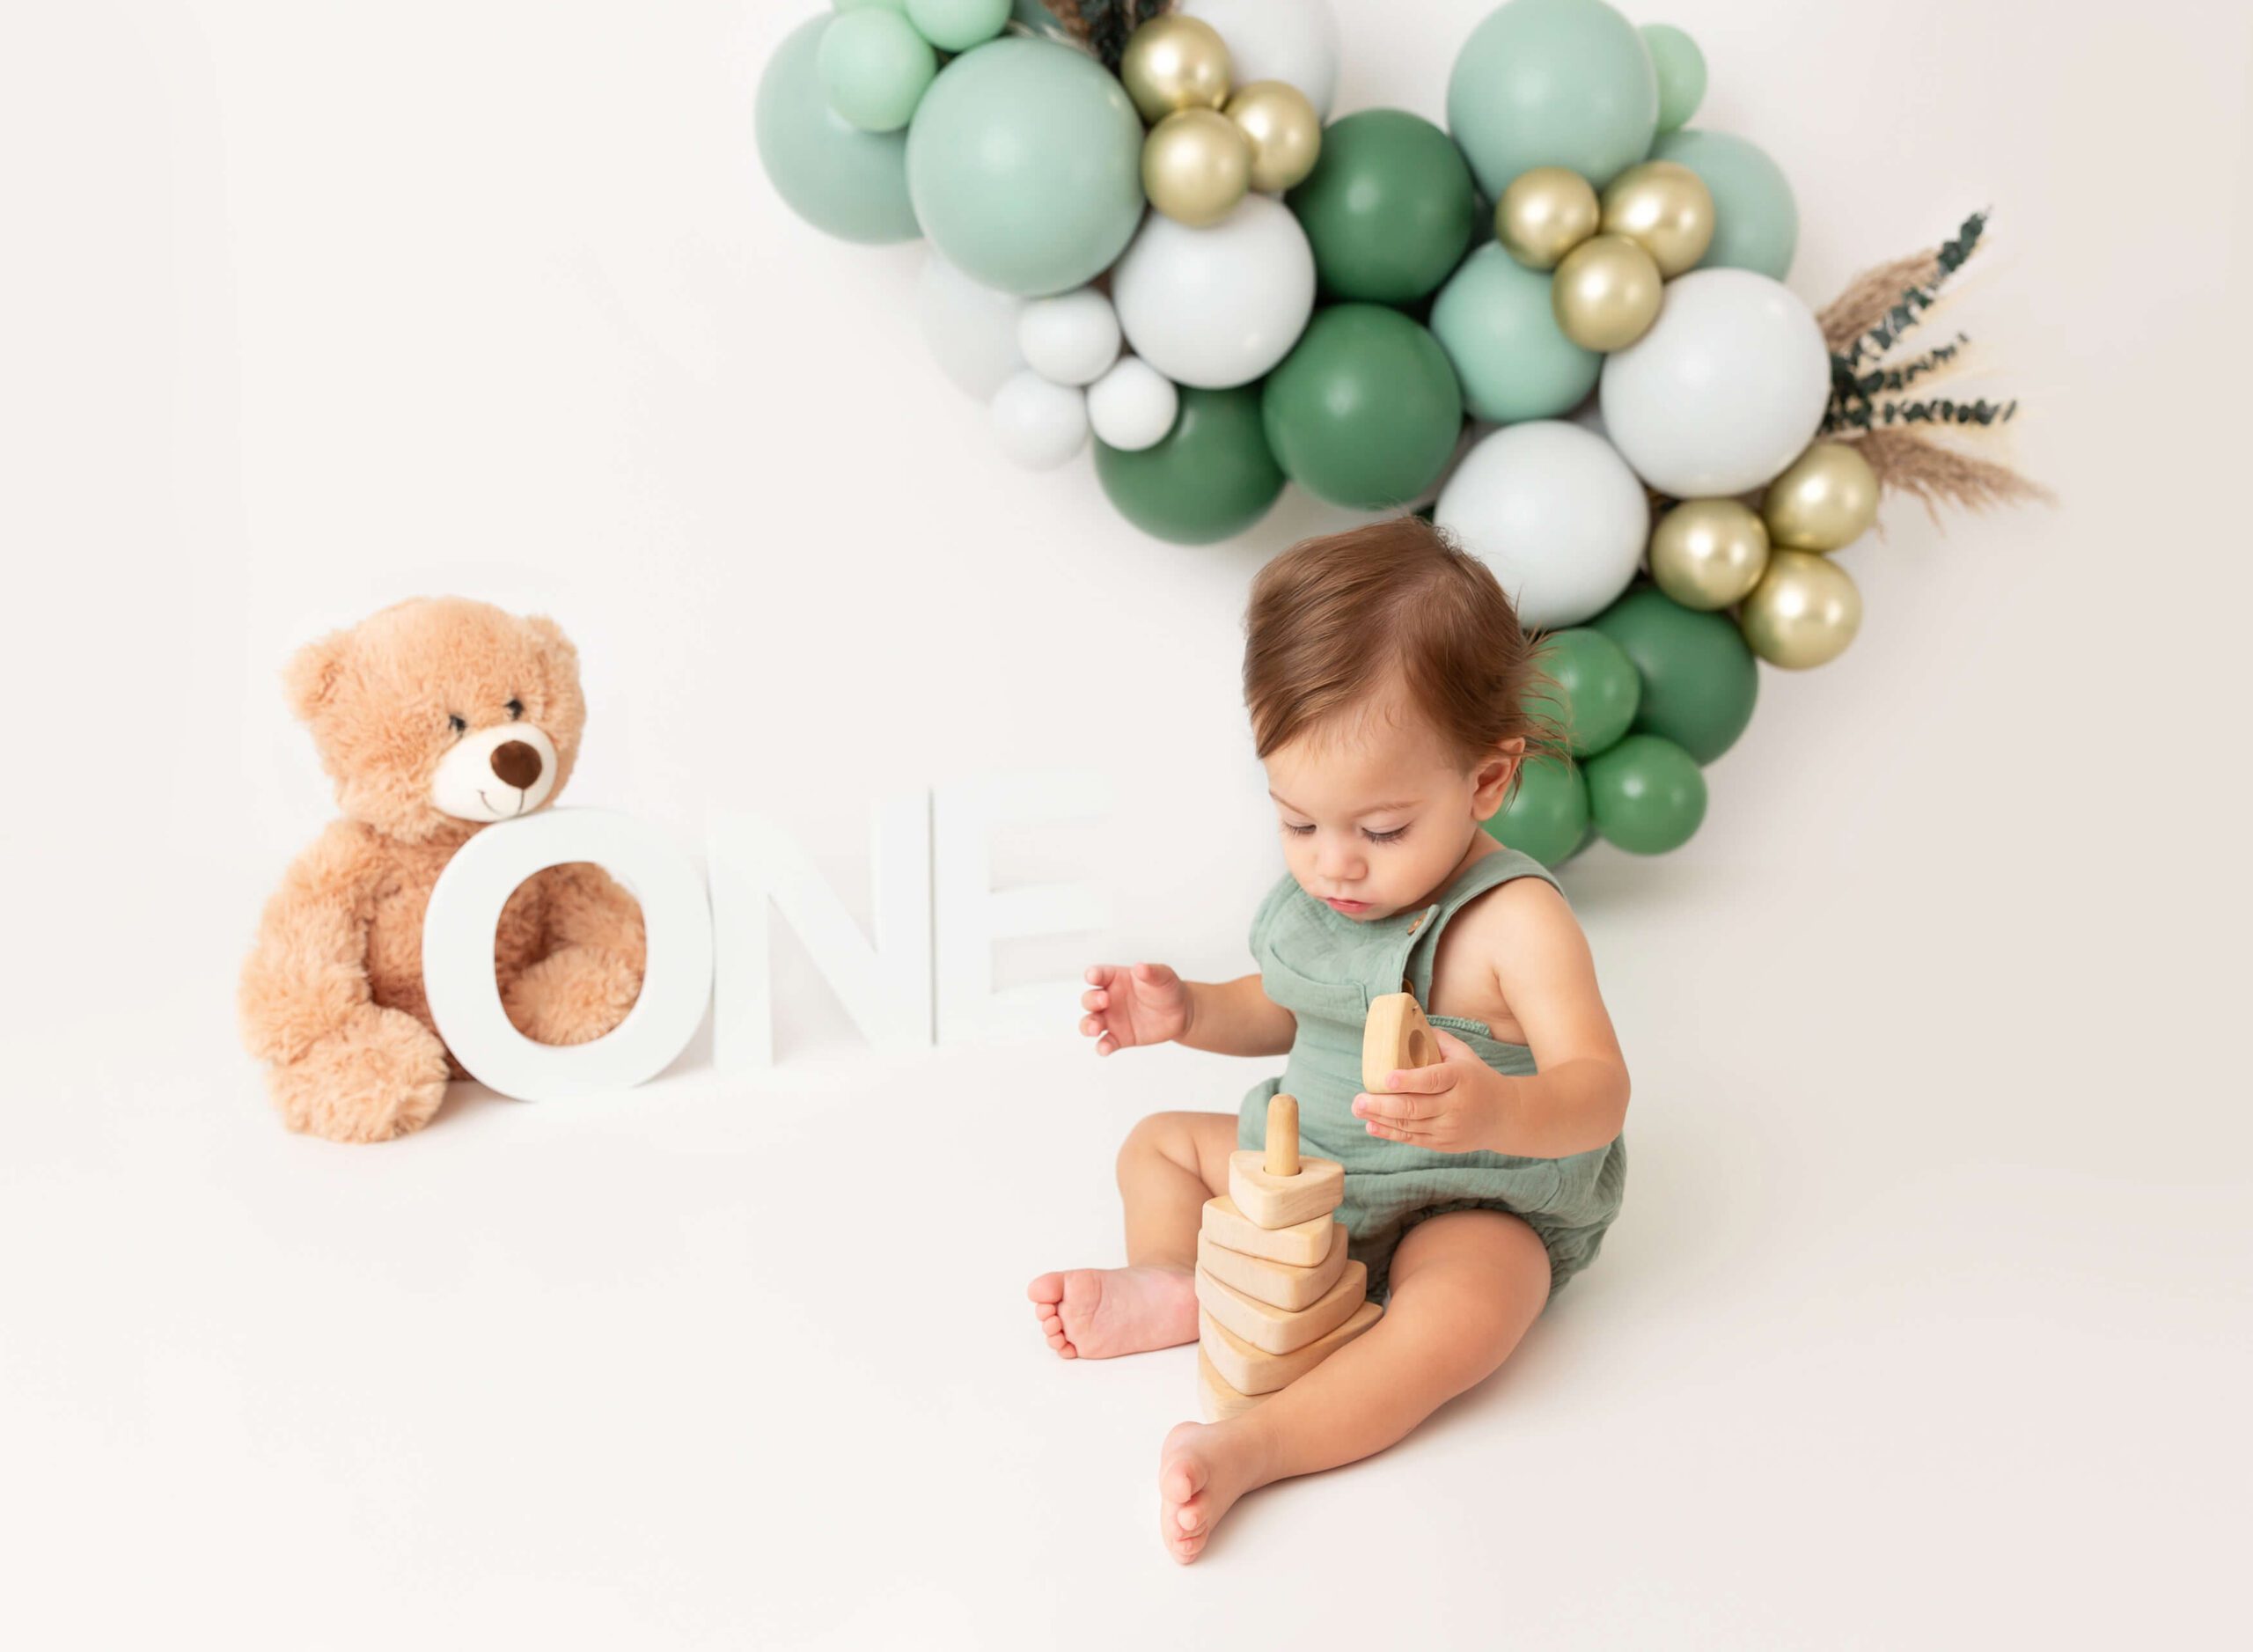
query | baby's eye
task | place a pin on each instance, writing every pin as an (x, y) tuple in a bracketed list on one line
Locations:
[(1393, 836), (1301, 831), (455, 723), (515, 709)]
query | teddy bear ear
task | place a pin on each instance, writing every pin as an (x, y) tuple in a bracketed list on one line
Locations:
[(552, 638), (312, 675)]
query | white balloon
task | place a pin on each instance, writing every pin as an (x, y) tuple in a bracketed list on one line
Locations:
[(1555, 512), (1133, 406), (1727, 387), (1071, 339), (1295, 41), (971, 329), (1220, 307), (1040, 425)]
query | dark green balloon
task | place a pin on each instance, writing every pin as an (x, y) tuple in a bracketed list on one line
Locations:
[(1699, 680), (1211, 477), (1597, 688), (1646, 795), (1365, 411), (1389, 207), (1547, 816)]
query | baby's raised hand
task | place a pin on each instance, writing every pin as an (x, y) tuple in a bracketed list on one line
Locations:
[(1143, 1003), (1454, 1106)]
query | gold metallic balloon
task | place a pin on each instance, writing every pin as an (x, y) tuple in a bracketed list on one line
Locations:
[(1175, 62), (1544, 214), (1606, 293), (1709, 554), (1665, 208), (1827, 499), (1196, 166), (1284, 133), (1804, 611)]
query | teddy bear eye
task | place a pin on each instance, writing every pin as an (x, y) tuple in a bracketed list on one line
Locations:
[(515, 709), (455, 723)]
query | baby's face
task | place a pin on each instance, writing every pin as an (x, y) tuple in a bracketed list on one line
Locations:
[(1376, 811)]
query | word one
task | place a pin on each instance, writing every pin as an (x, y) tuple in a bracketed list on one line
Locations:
[(926, 972)]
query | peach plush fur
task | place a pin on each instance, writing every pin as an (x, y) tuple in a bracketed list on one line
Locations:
[(332, 994)]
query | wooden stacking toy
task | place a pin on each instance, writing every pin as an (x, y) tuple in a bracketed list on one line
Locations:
[(1276, 1293), (1394, 1037)]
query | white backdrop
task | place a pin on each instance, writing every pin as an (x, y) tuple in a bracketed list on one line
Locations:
[(1937, 1249)]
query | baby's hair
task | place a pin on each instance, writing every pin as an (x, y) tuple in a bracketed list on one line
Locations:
[(1333, 620)]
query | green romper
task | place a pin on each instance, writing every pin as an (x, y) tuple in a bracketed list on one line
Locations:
[(1325, 968)]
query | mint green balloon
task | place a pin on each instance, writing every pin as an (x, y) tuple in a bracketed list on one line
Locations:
[(1681, 70), (1495, 321), (876, 68), (1552, 83), (1646, 795), (1547, 816), (1598, 689), (956, 26), (899, 6), (1756, 221), (1025, 166), (842, 181)]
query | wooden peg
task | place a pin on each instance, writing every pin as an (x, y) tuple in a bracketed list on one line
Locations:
[(1282, 1157), (1396, 1036)]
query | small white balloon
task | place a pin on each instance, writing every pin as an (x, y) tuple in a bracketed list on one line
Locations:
[(1040, 425), (1071, 339), (1295, 41), (1727, 388), (1216, 307), (1132, 407), (1555, 512), (971, 329)]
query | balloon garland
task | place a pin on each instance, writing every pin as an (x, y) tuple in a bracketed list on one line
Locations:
[(1148, 235)]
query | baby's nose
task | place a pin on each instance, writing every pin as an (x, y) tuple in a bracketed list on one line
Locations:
[(517, 764)]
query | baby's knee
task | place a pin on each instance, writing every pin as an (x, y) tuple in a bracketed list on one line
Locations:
[(1160, 1136)]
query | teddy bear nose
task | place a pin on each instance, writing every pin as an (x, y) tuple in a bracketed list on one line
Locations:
[(517, 764)]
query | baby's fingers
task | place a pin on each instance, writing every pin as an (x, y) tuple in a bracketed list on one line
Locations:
[(1095, 998), (1395, 1111)]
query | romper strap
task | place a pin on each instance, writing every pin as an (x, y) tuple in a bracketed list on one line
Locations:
[(1417, 949)]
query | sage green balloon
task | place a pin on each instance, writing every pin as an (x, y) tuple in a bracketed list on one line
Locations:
[(1025, 166), (1598, 690), (1496, 323), (1756, 221), (1364, 412), (842, 181), (1646, 795), (1389, 208), (956, 26), (1699, 680), (1552, 83), (1547, 816), (1681, 69), (876, 68), (1211, 478)]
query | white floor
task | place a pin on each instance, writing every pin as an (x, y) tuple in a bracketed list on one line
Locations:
[(1897, 1343)]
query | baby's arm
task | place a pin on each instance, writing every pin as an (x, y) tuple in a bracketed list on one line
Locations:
[(1147, 1003), (1578, 1100)]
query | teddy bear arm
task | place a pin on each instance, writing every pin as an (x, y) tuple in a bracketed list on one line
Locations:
[(307, 972)]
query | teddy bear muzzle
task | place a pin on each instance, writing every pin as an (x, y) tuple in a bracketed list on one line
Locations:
[(496, 774)]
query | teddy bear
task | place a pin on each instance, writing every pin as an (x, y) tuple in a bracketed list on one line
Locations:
[(434, 718)]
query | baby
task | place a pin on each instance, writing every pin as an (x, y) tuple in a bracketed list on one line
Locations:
[(1386, 677)]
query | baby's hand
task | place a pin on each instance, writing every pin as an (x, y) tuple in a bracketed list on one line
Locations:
[(1455, 1106), (1145, 1005)]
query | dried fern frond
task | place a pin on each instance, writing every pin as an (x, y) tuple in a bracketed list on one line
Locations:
[(1103, 25), (1871, 296), (1911, 461)]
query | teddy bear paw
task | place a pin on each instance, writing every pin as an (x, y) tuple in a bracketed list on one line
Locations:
[(381, 1076), (573, 995)]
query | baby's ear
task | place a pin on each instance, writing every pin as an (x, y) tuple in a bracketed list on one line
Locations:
[(310, 678)]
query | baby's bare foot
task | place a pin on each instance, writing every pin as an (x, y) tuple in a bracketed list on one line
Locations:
[(1093, 1313), (1203, 1468)]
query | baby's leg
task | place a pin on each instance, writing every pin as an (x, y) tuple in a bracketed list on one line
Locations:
[(1172, 1163), (1465, 1288)]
